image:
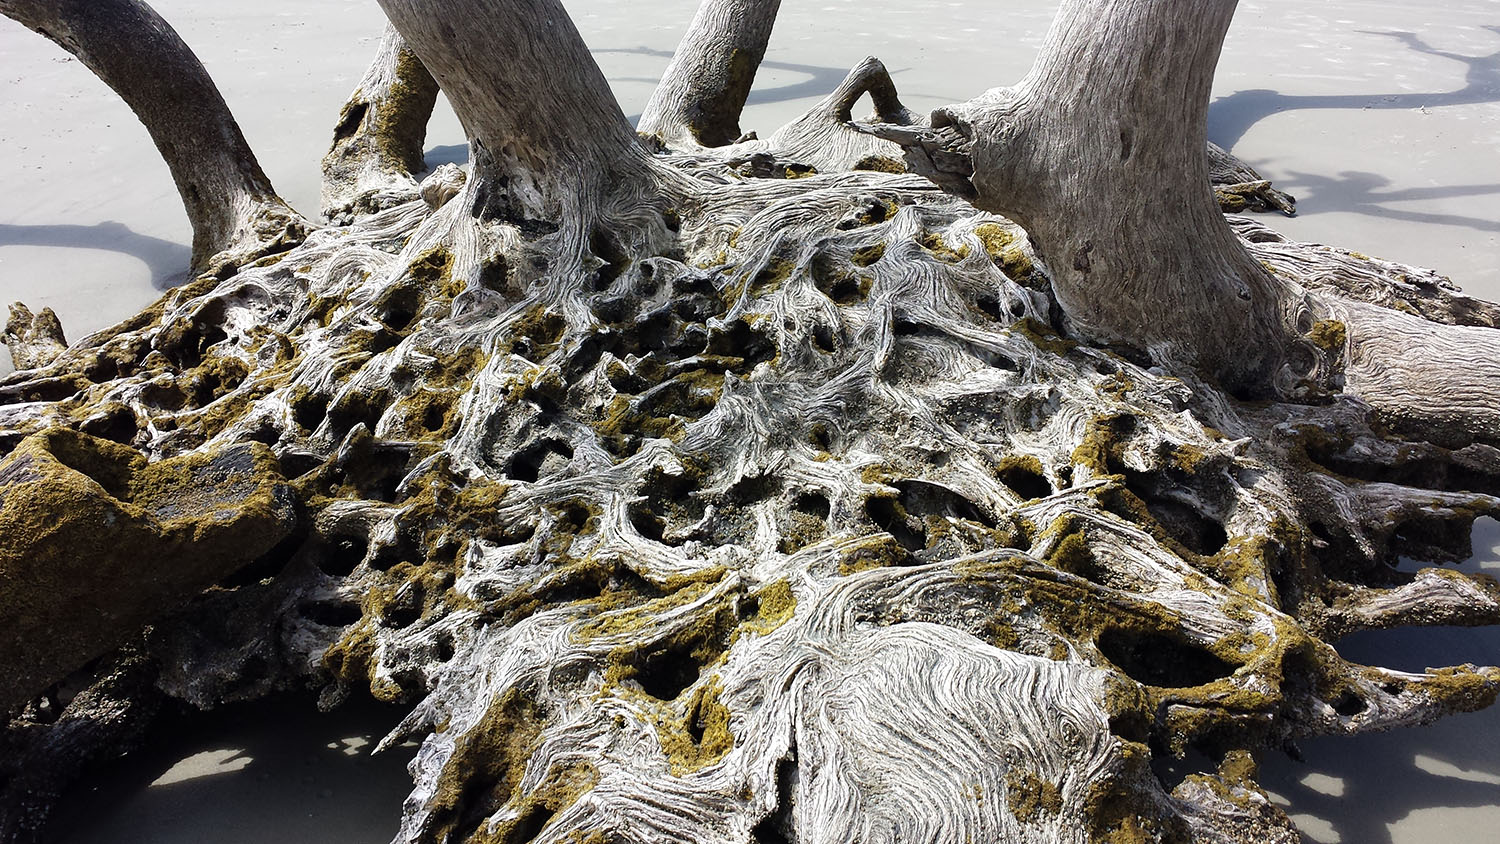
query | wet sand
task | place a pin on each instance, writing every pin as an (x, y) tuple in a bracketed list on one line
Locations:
[(1383, 118)]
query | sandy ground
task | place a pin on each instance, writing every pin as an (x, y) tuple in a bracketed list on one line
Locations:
[(1381, 116)]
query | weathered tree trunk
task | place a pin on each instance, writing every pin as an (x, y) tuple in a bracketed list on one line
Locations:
[(705, 87), (1099, 154), (235, 213), (541, 159), (378, 144)]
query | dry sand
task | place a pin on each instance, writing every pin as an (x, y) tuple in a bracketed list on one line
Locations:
[(1381, 116)]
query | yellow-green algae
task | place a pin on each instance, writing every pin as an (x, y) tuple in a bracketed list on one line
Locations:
[(1030, 798), (95, 542)]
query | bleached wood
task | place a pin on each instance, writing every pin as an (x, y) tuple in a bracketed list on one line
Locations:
[(378, 145)]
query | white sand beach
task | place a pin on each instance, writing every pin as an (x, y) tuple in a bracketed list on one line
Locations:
[(1382, 118)]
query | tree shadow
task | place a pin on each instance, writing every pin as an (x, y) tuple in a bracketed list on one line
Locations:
[(270, 771), (1230, 117), (1358, 787), (1359, 192), (819, 83), (167, 260)]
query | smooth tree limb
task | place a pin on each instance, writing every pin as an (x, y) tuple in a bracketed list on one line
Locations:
[(378, 144), (235, 212)]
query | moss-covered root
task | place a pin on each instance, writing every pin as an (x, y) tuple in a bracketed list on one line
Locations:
[(95, 543)]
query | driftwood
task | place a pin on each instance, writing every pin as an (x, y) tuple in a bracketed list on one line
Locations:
[(686, 494)]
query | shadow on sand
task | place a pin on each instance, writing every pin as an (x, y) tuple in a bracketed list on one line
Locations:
[(819, 83), (274, 771), (1351, 790), (1230, 117), (167, 260)]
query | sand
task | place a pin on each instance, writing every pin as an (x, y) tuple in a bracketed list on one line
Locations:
[(1381, 116)]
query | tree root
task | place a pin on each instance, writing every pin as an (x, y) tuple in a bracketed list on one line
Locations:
[(673, 540)]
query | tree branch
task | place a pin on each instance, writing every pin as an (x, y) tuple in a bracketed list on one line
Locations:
[(235, 213)]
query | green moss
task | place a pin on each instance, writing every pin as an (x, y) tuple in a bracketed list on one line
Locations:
[(1043, 337), (1245, 563), (664, 414), (1006, 249), (880, 164), (642, 616), (1330, 335), (1071, 553), (775, 605), (1459, 689), (933, 242), (799, 530), (1030, 798), (867, 255), (872, 552), (351, 662), (1103, 440), (488, 762), (702, 737), (536, 334), (400, 117), (1119, 811), (1231, 203), (95, 543), (535, 810), (772, 276), (433, 270)]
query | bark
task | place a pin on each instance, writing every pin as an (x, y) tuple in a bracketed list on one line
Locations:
[(541, 159), (704, 89), (1111, 121), (795, 514), (379, 143), (235, 213)]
